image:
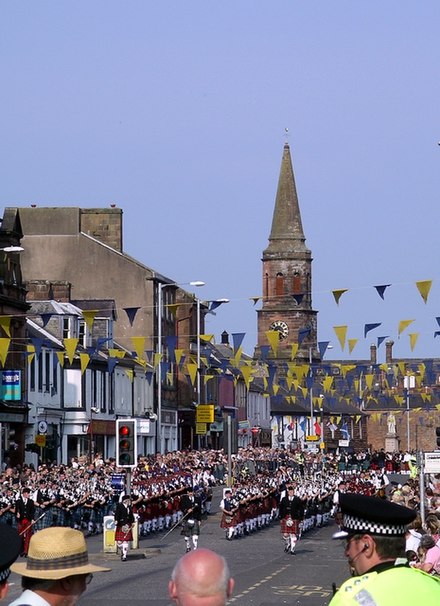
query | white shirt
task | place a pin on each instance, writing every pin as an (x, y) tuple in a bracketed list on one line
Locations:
[(31, 598)]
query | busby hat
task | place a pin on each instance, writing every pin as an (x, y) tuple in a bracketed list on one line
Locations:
[(56, 553), (372, 515), (11, 547)]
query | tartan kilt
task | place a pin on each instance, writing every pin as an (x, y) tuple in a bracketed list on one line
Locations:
[(121, 536), (287, 528), (188, 530), (228, 520), (45, 521)]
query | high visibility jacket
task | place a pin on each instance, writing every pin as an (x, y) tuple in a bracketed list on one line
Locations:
[(400, 585)]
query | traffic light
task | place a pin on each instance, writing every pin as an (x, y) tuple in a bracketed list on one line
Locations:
[(437, 433), (126, 443)]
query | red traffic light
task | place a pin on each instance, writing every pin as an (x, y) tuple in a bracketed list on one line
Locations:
[(126, 443)]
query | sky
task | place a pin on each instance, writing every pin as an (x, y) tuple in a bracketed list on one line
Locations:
[(176, 111)]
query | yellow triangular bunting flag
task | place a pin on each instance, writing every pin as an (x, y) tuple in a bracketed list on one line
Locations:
[(273, 336), (70, 346), (84, 361), (341, 333), (352, 344), (5, 323), (413, 339), (138, 346), (89, 317), (404, 324), (424, 287), (4, 348), (338, 294)]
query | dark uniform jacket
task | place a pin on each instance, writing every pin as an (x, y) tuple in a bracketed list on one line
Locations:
[(293, 508), (186, 503), (123, 515), (24, 510)]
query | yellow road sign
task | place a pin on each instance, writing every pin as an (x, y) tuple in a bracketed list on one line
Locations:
[(205, 413), (40, 440), (200, 429)]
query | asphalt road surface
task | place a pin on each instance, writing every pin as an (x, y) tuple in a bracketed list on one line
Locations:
[(263, 573)]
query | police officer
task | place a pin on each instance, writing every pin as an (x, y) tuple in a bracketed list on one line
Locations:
[(11, 546), (374, 530)]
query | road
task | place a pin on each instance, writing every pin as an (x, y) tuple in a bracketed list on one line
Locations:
[(264, 574)]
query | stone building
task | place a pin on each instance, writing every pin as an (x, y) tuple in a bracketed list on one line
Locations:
[(84, 247)]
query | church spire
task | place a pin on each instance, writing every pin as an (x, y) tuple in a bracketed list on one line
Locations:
[(287, 233), (287, 275)]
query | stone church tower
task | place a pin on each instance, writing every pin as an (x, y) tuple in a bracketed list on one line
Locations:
[(287, 277)]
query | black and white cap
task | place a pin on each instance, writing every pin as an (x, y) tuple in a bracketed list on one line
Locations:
[(371, 515), (12, 544)]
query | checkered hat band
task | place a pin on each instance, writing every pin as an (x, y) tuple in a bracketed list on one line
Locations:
[(359, 525), (4, 574), (71, 561)]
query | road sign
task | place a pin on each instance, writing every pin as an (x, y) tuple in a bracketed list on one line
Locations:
[(40, 440), (312, 438), (205, 413), (432, 462), (200, 429)]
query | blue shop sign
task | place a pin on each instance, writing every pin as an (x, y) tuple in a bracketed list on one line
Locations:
[(11, 385)]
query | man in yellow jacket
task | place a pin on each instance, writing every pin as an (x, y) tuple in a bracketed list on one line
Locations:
[(374, 531)]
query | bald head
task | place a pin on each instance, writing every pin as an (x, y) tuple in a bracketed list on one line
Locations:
[(201, 578)]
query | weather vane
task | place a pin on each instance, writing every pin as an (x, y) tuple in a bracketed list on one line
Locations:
[(286, 134)]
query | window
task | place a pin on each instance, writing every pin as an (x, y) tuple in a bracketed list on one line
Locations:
[(32, 374), (103, 391), (67, 332), (47, 371), (54, 389), (111, 395), (40, 372), (297, 284), (94, 387), (279, 285)]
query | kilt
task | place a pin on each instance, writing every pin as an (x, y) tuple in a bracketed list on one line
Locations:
[(228, 520), (122, 536), (25, 530), (289, 526), (188, 529), (46, 520)]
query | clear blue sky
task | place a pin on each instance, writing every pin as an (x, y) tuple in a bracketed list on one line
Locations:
[(175, 111)]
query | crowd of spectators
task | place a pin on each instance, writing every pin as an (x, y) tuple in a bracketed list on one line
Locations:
[(79, 495)]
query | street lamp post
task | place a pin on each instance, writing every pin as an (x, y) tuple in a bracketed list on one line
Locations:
[(93, 409), (161, 286), (408, 381)]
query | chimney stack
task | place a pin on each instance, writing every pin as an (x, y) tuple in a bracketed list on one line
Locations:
[(389, 352)]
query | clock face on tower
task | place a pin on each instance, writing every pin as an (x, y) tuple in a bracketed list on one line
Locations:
[(281, 327)]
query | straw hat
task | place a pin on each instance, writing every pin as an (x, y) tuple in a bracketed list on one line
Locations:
[(56, 553)]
